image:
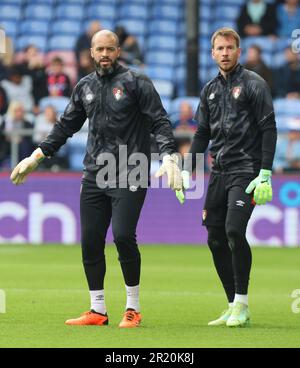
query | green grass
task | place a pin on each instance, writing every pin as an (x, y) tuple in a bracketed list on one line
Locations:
[(180, 293)]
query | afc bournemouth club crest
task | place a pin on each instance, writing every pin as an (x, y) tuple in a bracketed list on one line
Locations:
[(118, 93), (236, 92)]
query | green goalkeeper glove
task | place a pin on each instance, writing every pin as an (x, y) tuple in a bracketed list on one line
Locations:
[(262, 187), (180, 194), (26, 166)]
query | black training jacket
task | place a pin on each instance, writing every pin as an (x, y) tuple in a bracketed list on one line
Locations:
[(236, 114), (123, 108)]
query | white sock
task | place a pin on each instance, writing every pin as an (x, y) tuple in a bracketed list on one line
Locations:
[(239, 298), (98, 301), (231, 304), (133, 297)]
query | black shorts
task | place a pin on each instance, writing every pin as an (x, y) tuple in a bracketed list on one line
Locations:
[(226, 192)]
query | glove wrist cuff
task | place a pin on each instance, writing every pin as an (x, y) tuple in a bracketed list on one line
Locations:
[(38, 155)]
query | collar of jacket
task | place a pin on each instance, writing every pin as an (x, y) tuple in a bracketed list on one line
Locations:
[(117, 68), (234, 74)]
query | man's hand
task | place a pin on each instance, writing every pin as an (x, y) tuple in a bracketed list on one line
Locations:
[(170, 167), (26, 166), (180, 194), (262, 187)]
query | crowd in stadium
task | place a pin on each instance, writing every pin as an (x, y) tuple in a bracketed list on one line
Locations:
[(47, 53)]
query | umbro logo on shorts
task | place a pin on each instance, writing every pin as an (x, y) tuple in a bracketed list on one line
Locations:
[(240, 203)]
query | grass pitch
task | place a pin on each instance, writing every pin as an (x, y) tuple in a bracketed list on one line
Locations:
[(180, 293)]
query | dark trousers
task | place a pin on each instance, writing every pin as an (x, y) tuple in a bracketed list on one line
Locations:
[(226, 214), (99, 207)]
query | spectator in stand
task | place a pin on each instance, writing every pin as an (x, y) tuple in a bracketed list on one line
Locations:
[(34, 66), (288, 15), (130, 51), (86, 64), (287, 155), (18, 87), (43, 126), (84, 40), (13, 122), (185, 128), (255, 63), (287, 77), (186, 120), (58, 82), (257, 18)]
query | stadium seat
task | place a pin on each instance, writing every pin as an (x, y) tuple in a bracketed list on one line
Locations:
[(161, 11), (64, 42), (162, 42), (10, 27), (162, 27), (39, 41), (101, 11), (166, 102), (164, 88), (159, 72), (133, 11), (161, 57), (134, 26), (38, 11), (105, 23), (227, 12), (66, 26), (77, 148), (69, 11), (10, 11), (34, 27), (59, 103)]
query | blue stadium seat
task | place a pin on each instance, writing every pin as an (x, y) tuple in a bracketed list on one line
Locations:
[(134, 26), (161, 57), (10, 27), (39, 41), (105, 23), (38, 11), (205, 27), (160, 72), (63, 42), (66, 26), (164, 88), (162, 27), (162, 42), (59, 103), (101, 11), (68, 11), (205, 11), (227, 12), (134, 11), (34, 27), (161, 11), (10, 11), (77, 148), (166, 102)]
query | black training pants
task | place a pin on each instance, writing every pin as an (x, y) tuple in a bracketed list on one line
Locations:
[(99, 207)]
